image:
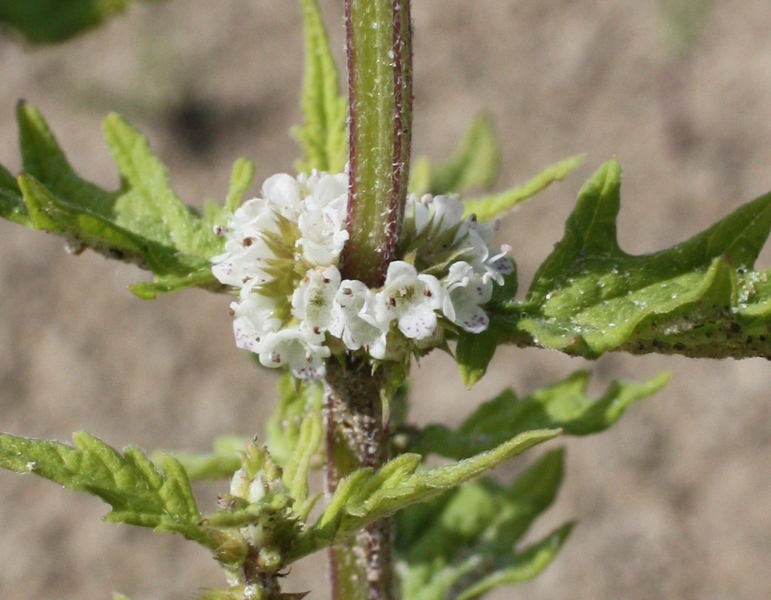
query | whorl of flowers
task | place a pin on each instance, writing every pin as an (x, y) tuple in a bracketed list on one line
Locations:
[(294, 308)]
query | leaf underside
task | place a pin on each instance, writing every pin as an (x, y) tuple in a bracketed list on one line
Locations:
[(143, 222)]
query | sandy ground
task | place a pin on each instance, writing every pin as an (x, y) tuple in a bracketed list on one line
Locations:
[(671, 504)]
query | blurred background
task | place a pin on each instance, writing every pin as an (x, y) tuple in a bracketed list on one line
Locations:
[(671, 503)]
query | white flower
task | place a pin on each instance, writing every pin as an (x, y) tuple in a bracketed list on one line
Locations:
[(246, 252), (481, 231), (408, 298), (476, 237), (283, 194), (253, 321), (312, 300), (499, 265), (296, 348), (492, 267), (441, 213), (243, 266), (323, 218), (468, 290), (299, 226), (244, 217), (347, 324)]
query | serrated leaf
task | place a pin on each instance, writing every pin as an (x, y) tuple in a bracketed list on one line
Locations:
[(221, 463), (564, 405), (241, 177), (474, 164), (143, 222), (83, 228), (323, 134), (298, 467), (296, 399), (366, 496), (700, 298), (148, 202), (138, 492), (43, 158), (463, 543), (489, 208), (47, 21)]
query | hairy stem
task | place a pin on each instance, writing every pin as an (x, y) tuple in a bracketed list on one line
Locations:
[(361, 567), (379, 51)]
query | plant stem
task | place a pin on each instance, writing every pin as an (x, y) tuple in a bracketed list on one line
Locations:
[(379, 51), (361, 567)]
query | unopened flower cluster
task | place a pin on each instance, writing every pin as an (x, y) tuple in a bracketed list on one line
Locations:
[(294, 308)]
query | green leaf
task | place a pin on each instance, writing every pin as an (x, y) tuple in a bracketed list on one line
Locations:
[(8, 182), (221, 463), (488, 208), (296, 398), (143, 222), (474, 165), (298, 467), (462, 544), (564, 405), (473, 353), (46, 21), (522, 566), (325, 109), (83, 228), (239, 592), (139, 492), (366, 496), (12, 205), (148, 202), (700, 298), (200, 277), (43, 159), (241, 178)]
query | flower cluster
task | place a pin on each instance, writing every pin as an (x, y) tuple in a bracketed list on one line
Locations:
[(282, 252)]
